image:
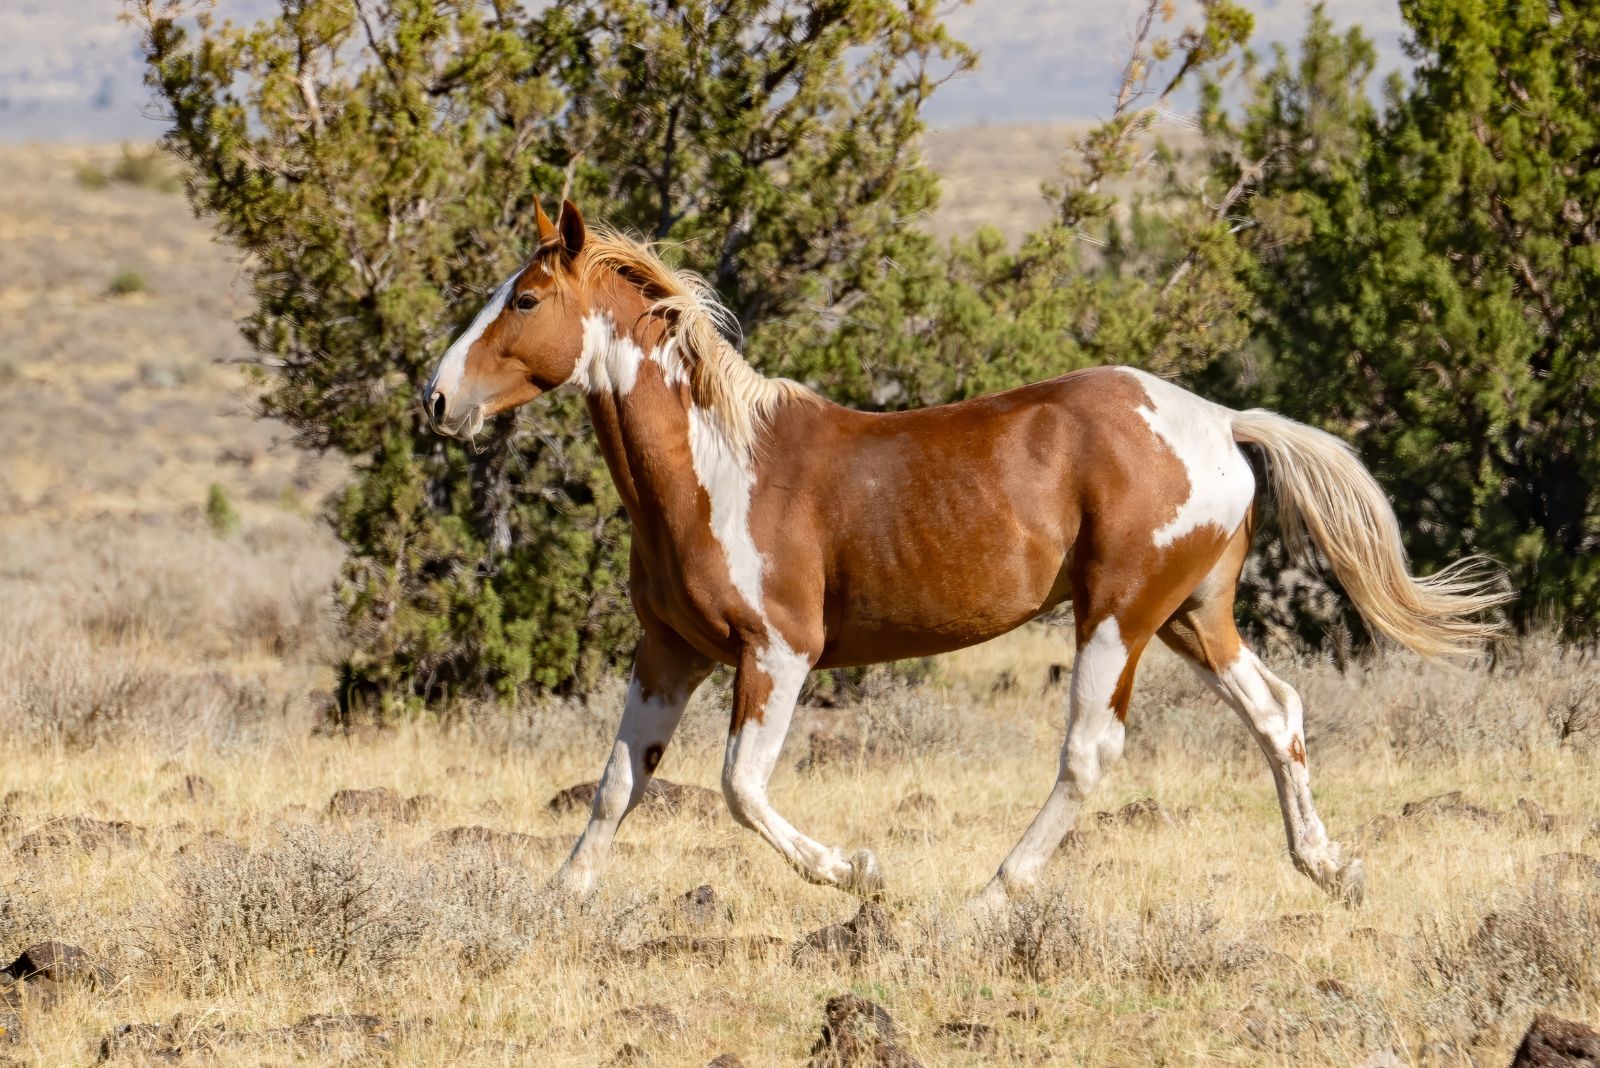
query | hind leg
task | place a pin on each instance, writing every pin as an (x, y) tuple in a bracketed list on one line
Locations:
[(1102, 678), (1203, 633)]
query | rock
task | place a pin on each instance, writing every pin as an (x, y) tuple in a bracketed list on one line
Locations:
[(858, 938), (647, 1016), (146, 1043), (628, 1054), (725, 1060), (1448, 804), (978, 1037), (1539, 821), (500, 843), (1333, 988), (380, 803), (189, 788), (1552, 1042), (715, 950), (659, 795), (48, 968), (698, 907), (857, 1032), (1300, 922), (918, 803), (319, 1031), (78, 832), (1567, 865), (828, 748), (1145, 812)]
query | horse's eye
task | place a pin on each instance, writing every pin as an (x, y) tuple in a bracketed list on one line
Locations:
[(527, 302)]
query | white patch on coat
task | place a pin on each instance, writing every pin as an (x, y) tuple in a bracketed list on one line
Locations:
[(609, 361), (669, 358), (1200, 434), (447, 376), (726, 476)]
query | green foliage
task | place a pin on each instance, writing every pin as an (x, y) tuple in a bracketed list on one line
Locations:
[(221, 516), (91, 176), (126, 283), (1418, 276), (1427, 278), (379, 163)]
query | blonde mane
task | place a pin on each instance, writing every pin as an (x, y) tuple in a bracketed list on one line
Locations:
[(738, 397)]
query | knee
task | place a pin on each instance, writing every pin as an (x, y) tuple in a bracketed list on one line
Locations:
[(743, 800), (1111, 742)]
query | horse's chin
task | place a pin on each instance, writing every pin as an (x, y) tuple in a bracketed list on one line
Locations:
[(466, 428)]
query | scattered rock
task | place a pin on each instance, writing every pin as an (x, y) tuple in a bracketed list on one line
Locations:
[(10, 1028), (725, 1060), (858, 938), (501, 843), (1300, 922), (189, 788), (828, 748), (628, 1054), (1383, 1058), (320, 1031), (1448, 804), (1552, 1042), (659, 795), (1333, 988), (1566, 865), (698, 907), (857, 1032), (713, 950), (46, 970), (918, 804), (78, 832), (647, 1016), (1539, 821), (978, 1037), (380, 803), (1145, 812), (145, 1043)]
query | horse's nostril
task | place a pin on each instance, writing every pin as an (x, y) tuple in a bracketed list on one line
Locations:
[(438, 407)]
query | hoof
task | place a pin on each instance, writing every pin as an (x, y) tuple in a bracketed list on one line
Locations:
[(866, 877), (574, 883), (1349, 883), (988, 903)]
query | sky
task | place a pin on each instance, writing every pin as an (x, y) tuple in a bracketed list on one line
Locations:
[(70, 70)]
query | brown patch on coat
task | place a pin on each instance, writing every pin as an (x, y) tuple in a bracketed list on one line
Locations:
[(652, 757), (1297, 750)]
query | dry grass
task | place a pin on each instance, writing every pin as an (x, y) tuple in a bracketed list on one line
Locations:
[(140, 647), (1185, 943)]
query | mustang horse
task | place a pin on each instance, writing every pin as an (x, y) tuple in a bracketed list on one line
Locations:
[(776, 532)]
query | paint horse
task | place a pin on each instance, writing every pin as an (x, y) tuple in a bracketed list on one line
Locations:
[(778, 533)]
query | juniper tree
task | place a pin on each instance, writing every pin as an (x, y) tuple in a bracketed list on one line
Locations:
[(379, 161), (1429, 279)]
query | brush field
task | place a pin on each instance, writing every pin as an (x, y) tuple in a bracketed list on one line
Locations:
[(168, 805)]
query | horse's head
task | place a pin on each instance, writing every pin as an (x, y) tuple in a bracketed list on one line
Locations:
[(527, 340)]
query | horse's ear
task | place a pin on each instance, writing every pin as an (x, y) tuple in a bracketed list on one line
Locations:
[(547, 229), (572, 230)]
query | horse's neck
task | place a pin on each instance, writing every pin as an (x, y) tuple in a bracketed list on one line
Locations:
[(639, 404)]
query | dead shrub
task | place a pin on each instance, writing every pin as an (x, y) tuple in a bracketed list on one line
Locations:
[(309, 899), (1049, 936), (1537, 952)]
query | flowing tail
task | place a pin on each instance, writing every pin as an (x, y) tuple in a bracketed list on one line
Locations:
[(1327, 498)]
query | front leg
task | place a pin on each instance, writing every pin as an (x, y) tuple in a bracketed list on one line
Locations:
[(765, 690), (665, 673)]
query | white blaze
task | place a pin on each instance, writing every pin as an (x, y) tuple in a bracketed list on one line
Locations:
[(447, 376)]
